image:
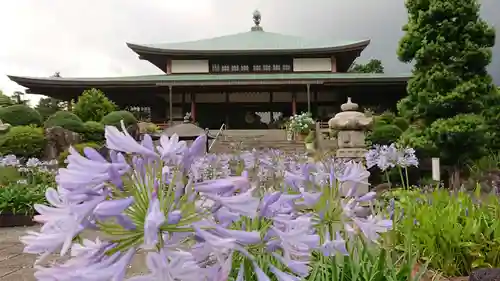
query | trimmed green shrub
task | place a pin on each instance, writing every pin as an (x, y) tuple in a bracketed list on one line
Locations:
[(62, 115), (401, 122), (384, 118), (387, 128), (93, 132), (5, 100), (93, 105), (384, 135), (66, 120), (78, 147), (23, 141), (48, 106), (114, 118), (20, 115)]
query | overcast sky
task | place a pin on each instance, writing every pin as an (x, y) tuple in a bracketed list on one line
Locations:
[(87, 37)]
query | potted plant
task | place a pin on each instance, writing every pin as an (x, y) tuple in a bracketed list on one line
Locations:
[(301, 124), (17, 203), (309, 140)]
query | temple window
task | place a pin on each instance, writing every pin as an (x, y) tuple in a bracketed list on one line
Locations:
[(215, 67), (244, 64)]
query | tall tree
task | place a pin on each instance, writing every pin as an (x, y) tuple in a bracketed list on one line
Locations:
[(373, 66), (48, 106), (18, 98), (450, 46)]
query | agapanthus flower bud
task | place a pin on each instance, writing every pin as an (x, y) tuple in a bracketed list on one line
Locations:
[(174, 217), (240, 236), (154, 219), (243, 203), (111, 208)]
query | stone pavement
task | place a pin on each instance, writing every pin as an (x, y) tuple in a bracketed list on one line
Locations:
[(16, 266)]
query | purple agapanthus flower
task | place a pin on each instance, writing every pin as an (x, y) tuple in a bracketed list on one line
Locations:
[(197, 214), (389, 156)]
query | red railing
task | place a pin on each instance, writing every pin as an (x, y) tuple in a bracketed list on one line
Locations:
[(162, 126)]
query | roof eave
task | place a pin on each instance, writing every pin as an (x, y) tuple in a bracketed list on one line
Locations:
[(143, 49), (30, 82)]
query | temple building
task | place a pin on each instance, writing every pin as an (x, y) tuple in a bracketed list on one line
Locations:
[(246, 80)]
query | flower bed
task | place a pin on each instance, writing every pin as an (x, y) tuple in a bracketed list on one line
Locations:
[(23, 186), (242, 216), (249, 215), (452, 232)]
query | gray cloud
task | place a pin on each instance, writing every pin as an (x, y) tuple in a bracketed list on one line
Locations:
[(87, 38)]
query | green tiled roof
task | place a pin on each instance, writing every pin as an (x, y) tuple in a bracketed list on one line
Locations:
[(251, 41), (212, 79)]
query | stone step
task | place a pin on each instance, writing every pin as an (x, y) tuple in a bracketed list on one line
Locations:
[(222, 146), (244, 135), (231, 140)]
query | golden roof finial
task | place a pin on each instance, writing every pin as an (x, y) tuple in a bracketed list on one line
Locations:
[(256, 20)]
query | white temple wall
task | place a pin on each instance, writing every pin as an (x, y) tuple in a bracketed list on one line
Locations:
[(189, 66), (313, 64)]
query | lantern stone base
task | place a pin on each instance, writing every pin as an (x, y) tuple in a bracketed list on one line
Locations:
[(351, 153), (361, 189)]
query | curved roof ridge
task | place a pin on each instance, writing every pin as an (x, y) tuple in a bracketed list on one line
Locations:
[(250, 41)]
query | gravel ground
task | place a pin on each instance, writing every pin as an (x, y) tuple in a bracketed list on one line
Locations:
[(16, 266)]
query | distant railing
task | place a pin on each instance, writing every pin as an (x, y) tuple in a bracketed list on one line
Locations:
[(162, 126), (323, 125), (166, 124), (221, 129)]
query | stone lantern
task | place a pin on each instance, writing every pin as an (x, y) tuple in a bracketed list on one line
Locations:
[(351, 126)]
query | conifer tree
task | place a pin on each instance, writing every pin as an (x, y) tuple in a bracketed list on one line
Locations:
[(450, 46)]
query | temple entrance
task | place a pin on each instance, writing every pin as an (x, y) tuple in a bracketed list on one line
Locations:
[(242, 116), (211, 115), (255, 116)]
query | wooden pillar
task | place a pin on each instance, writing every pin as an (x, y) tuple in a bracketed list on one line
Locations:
[(334, 64), (227, 117), (168, 67), (294, 103), (316, 103), (308, 98), (271, 109), (193, 107), (170, 106)]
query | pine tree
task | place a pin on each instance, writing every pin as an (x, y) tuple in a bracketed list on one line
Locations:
[(450, 46)]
